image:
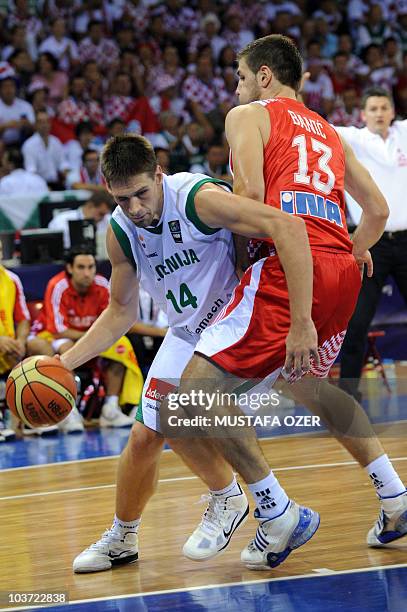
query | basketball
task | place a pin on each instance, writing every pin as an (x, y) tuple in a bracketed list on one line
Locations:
[(40, 391)]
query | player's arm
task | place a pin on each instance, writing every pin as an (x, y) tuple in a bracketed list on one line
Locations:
[(361, 186), (246, 144), (217, 208), (118, 316)]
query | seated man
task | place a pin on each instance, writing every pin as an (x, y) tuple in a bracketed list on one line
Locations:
[(73, 300), (97, 208), (14, 328)]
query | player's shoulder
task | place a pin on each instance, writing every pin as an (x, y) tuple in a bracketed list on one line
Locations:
[(400, 125), (14, 277), (244, 111), (58, 282)]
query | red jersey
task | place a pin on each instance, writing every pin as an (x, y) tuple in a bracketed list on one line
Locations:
[(304, 172), (65, 308)]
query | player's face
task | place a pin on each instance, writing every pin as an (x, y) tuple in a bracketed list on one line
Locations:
[(378, 114), (248, 89), (141, 199), (82, 271)]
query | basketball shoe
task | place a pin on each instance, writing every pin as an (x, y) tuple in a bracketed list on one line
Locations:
[(112, 416), (392, 522), (277, 537), (224, 514), (73, 423), (113, 548)]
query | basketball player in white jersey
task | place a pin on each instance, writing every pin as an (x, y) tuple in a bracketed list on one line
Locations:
[(166, 234)]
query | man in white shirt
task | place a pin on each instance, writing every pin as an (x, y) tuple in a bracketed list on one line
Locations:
[(16, 115), (44, 153), (63, 48), (97, 208), (19, 181), (382, 147)]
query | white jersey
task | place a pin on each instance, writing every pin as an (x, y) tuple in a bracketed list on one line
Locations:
[(187, 267)]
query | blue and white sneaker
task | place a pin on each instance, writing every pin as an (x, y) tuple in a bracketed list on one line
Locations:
[(223, 516), (277, 537), (392, 522)]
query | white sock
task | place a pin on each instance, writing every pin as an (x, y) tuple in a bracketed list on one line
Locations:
[(231, 489), (270, 497), (385, 479), (112, 399), (121, 526)]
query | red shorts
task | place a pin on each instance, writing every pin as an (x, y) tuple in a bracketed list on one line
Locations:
[(248, 338)]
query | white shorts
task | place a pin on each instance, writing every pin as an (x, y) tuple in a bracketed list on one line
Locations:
[(164, 375)]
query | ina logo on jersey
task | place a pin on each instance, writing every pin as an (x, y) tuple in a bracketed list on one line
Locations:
[(175, 229)]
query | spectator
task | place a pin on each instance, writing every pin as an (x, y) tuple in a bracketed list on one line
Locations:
[(341, 79), (163, 159), (374, 30), (16, 115), (75, 148), (170, 67), (18, 42), (329, 13), (37, 95), (135, 13), (78, 106), (194, 143), (97, 47), (14, 319), (121, 98), (14, 329), (55, 80), (73, 300), (318, 91), (97, 208), (18, 181), (89, 175), (23, 66), (392, 53), (234, 34), (168, 99), (348, 112), (207, 97), (215, 164), (328, 40), (116, 127), (44, 153), (63, 48), (180, 22), (208, 34), (379, 74)]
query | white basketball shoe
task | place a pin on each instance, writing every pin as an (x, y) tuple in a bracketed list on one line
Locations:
[(224, 514), (277, 537), (392, 522), (112, 549)]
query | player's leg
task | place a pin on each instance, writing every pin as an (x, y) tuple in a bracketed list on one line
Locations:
[(248, 341), (349, 423), (138, 465)]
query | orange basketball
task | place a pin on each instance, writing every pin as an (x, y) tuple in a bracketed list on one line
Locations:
[(40, 391)]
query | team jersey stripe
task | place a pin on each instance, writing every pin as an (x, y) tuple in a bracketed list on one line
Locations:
[(190, 209), (124, 242)]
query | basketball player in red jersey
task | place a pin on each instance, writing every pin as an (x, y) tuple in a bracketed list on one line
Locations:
[(292, 159)]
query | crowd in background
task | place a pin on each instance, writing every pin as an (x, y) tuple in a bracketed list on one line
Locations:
[(73, 73)]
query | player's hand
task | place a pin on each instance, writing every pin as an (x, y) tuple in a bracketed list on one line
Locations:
[(363, 259), (301, 346)]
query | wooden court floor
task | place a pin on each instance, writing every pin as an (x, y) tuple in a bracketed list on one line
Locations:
[(50, 513)]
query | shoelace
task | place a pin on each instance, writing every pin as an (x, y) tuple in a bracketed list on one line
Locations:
[(107, 537), (214, 517)]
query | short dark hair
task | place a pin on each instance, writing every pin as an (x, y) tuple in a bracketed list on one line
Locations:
[(80, 249), (101, 197), (83, 126), (15, 157), (123, 157), (277, 52), (88, 152), (51, 58), (377, 92)]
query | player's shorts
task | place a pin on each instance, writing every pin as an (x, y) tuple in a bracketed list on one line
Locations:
[(248, 338), (164, 374)]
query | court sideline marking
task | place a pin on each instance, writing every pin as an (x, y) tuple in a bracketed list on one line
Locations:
[(220, 585), (180, 478)]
